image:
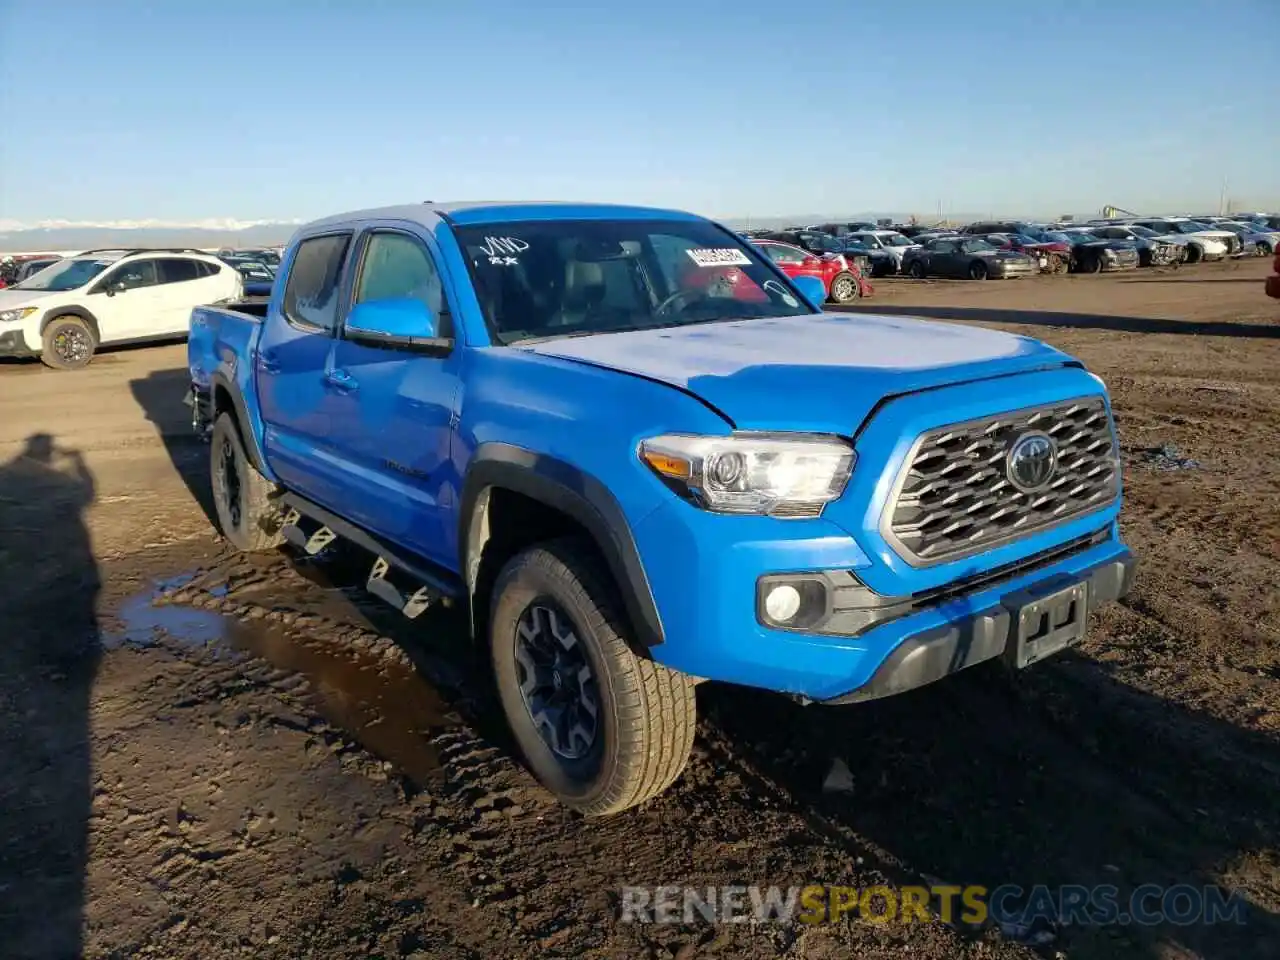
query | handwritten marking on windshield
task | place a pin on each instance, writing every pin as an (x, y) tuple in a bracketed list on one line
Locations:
[(500, 250)]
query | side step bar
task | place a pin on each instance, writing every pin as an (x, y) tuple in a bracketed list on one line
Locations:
[(426, 588)]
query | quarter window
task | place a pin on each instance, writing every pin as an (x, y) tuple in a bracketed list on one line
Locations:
[(311, 293)]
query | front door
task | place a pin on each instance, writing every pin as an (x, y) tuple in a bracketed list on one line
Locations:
[(393, 409), (293, 355), (128, 301)]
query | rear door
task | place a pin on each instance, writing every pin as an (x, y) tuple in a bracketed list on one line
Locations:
[(292, 362), (393, 408), (182, 286)]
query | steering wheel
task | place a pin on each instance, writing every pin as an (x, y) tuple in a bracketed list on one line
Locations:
[(683, 294)]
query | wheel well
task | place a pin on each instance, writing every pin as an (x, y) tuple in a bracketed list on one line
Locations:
[(84, 315), (512, 522), (222, 402)]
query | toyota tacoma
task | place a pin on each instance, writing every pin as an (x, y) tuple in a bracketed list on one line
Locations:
[(633, 482)]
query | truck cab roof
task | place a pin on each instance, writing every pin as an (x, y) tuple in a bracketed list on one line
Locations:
[(466, 213)]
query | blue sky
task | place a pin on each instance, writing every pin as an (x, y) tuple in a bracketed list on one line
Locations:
[(282, 109)]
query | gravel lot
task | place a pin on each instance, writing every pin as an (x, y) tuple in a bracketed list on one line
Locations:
[(264, 763)]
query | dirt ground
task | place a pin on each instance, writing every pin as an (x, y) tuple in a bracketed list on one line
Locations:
[(203, 756)]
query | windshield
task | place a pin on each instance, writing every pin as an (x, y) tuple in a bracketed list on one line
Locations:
[(897, 240), (544, 279), (857, 246), (1238, 228), (1187, 226), (1075, 239), (1145, 232), (64, 275), (975, 246)]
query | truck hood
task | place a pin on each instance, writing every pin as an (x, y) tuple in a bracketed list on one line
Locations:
[(815, 373), (10, 298)]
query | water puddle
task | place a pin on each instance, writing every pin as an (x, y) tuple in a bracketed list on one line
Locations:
[(383, 703)]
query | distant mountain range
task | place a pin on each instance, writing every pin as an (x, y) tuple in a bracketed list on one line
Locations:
[(61, 235), (66, 236)]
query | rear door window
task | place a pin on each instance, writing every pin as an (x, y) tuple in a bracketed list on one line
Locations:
[(311, 292), (178, 270)]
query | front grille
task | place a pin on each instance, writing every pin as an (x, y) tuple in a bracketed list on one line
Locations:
[(953, 497)]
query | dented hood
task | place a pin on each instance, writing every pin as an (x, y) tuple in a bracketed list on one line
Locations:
[(817, 373)]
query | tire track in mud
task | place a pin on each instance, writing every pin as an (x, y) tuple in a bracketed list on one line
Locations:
[(483, 819), (482, 816)]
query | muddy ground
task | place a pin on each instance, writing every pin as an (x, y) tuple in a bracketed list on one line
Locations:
[(207, 756)]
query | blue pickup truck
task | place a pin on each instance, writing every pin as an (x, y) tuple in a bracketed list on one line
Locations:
[(639, 457)]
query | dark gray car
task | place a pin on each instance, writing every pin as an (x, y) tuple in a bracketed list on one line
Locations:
[(966, 258)]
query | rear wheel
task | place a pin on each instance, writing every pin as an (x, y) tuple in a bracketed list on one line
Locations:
[(978, 270), (68, 343), (242, 497), (602, 728), (917, 269), (844, 288)]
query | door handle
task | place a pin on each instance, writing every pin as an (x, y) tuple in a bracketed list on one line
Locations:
[(341, 380), (269, 362)]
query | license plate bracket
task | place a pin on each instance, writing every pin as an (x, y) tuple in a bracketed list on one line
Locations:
[(1043, 623)]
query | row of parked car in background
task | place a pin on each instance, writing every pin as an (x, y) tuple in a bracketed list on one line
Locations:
[(62, 308), (843, 254)]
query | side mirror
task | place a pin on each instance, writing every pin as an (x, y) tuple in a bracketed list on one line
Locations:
[(111, 289), (812, 289), (403, 323)]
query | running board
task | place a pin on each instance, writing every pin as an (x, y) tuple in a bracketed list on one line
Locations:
[(311, 544), (425, 587)]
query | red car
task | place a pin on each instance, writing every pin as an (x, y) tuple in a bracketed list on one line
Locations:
[(842, 280), (1053, 256), (1273, 281)]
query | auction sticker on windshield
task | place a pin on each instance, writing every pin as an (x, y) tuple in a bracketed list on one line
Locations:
[(719, 257)]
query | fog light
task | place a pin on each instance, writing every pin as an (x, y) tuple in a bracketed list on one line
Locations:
[(782, 603)]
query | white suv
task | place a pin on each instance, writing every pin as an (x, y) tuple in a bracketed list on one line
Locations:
[(66, 311)]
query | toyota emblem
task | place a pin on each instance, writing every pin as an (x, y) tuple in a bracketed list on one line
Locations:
[(1031, 461)]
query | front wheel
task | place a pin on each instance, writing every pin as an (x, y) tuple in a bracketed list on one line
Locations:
[(1194, 254), (242, 497), (600, 727), (977, 270), (68, 343), (917, 269), (844, 288)]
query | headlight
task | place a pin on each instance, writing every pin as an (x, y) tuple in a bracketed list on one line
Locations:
[(18, 313), (779, 474)]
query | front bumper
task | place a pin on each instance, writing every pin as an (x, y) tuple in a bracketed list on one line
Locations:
[(941, 651), (1009, 271), (13, 344), (706, 590)]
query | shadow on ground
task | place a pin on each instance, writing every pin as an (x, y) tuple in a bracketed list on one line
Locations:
[(161, 396), (49, 653), (1063, 777), (1043, 318)]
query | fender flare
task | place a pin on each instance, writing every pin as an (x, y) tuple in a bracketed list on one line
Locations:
[(576, 494), (72, 310), (221, 379)]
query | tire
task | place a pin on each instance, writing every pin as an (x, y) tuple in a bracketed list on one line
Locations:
[(68, 343), (917, 269), (242, 497), (1194, 253), (1095, 265), (844, 288), (978, 270), (1261, 249), (643, 724)]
